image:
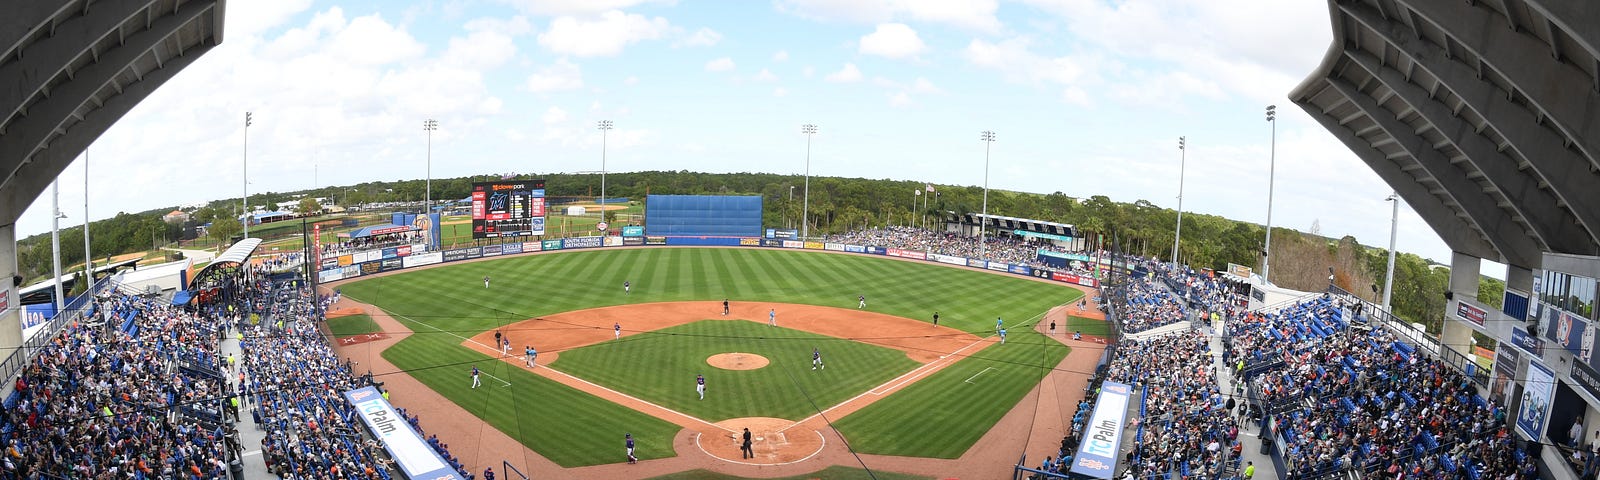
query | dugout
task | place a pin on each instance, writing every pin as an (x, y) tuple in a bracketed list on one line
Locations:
[(703, 215)]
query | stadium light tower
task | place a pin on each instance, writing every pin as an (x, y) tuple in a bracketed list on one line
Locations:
[(805, 208), (246, 200), (605, 126), (55, 237), (983, 223), (1183, 161), (1394, 230), (1272, 171), (429, 125)]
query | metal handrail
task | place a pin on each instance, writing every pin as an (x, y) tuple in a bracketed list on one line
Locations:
[(19, 358)]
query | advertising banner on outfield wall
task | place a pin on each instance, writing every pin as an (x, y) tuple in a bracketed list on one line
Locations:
[(912, 254), (332, 275), (611, 241), (491, 250), (833, 247), (410, 452), (855, 249), (344, 260), (580, 242), (633, 241), (328, 263), (352, 271), (422, 259), (793, 244), (511, 248), (548, 245), (786, 234), (402, 250), (975, 263), (389, 264), (633, 231), (652, 240), (1017, 269), (370, 268), (814, 245), (390, 252), (772, 242), (877, 251), (947, 259), (530, 246), (460, 254), (1102, 436), (749, 242)]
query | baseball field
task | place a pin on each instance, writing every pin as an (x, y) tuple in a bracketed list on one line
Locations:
[(934, 391)]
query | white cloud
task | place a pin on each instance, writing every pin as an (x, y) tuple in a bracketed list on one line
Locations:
[(848, 74), (968, 14), (900, 100), (703, 37), (765, 76), (780, 92), (562, 75), (515, 26), (924, 87), (892, 40), (602, 36), (481, 50), (808, 71), (723, 64), (631, 80), (554, 116), (781, 56), (369, 40), (570, 7)]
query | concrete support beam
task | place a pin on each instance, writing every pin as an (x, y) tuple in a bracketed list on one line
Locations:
[(1506, 235), (23, 18), (1556, 227), (44, 60), (1546, 82), (1565, 171), (11, 317), (1455, 232), (1457, 335), (28, 181), (1576, 19)]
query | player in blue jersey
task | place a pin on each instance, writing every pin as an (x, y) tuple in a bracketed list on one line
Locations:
[(816, 359)]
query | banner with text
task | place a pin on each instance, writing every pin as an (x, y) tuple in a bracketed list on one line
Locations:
[(410, 452), (1536, 398), (1102, 436)]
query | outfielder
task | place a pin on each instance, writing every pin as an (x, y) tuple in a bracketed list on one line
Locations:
[(485, 281), (474, 376), (700, 386), (861, 301), (628, 437), (626, 287), (816, 359)]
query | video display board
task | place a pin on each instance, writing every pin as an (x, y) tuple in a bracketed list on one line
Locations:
[(510, 208)]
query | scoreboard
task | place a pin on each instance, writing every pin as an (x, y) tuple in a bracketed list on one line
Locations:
[(511, 208)]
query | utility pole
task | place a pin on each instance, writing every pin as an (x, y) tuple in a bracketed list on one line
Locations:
[(1272, 172), (805, 209), (1183, 162), (983, 223), (245, 202)]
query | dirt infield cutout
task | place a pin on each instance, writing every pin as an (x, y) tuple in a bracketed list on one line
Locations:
[(737, 361)]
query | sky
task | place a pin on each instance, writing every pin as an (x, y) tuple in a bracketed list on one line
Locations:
[(1087, 97)]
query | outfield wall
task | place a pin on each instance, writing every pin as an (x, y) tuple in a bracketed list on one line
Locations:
[(391, 259)]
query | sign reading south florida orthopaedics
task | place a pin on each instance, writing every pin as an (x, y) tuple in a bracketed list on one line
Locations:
[(410, 452), (1102, 436)]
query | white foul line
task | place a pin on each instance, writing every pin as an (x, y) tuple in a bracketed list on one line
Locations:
[(975, 375)]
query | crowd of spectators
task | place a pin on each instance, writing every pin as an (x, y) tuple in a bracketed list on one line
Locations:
[(1004, 248), (372, 242), (132, 390), (1149, 305), (1187, 428)]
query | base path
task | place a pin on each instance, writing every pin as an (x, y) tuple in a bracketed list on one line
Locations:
[(784, 447)]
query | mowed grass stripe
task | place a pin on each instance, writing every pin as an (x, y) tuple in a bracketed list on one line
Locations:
[(934, 416), (452, 297), (719, 260)]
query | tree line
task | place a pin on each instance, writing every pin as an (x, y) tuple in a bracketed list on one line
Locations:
[(1300, 260)]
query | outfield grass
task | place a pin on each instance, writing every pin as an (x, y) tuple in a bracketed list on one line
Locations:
[(938, 416), (445, 304), (352, 325), (830, 473), (660, 367)]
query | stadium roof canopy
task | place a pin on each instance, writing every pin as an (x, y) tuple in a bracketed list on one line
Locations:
[(235, 256), (1484, 116), (71, 69), (1025, 224), (383, 229)]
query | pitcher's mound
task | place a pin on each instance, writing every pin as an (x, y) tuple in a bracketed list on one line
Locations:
[(737, 361)]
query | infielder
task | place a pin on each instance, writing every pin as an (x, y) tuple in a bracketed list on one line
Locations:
[(474, 376), (628, 437), (772, 318), (999, 323), (700, 386), (529, 353), (1002, 336), (724, 307), (816, 359), (616, 329)]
